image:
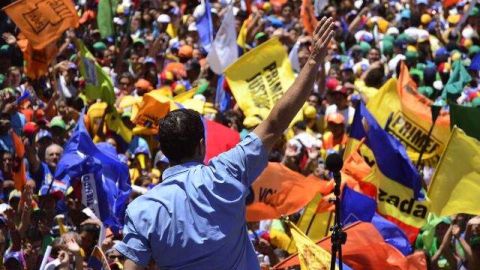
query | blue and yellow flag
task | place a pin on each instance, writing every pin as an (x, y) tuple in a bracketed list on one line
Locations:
[(398, 183)]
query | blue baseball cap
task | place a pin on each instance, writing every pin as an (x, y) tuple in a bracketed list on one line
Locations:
[(405, 14)]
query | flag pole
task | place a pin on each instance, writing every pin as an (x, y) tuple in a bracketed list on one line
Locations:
[(53, 85), (435, 112)]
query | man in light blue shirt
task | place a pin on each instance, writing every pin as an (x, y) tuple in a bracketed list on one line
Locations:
[(195, 219)]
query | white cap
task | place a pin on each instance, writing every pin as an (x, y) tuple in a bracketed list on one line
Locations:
[(468, 32), (392, 64), (163, 18), (118, 21), (4, 207), (200, 97), (192, 27), (438, 85), (235, 11), (393, 31)]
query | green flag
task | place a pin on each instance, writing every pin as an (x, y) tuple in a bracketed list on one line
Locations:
[(457, 81), (105, 14), (466, 118), (98, 84)]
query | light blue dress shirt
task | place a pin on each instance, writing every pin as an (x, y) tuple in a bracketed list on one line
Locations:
[(195, 219)]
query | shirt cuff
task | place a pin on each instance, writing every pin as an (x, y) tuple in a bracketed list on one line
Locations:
[(131, 254)]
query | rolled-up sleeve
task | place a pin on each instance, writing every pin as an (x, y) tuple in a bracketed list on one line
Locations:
[(245, 162), (134, 245)]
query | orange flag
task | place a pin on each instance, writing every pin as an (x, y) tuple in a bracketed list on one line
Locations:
[(37, 61), (359, 254), (415, 103), (19, 172), (280, 191), (42, 21), (412, 124), (307, 15)]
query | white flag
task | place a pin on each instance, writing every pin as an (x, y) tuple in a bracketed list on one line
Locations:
[(224, 49)]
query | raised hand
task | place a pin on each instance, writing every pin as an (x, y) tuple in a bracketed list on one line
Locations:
[(71, 244), (322, 36), (9, 38)]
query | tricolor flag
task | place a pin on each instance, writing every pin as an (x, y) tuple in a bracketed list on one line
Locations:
[(398, 183)]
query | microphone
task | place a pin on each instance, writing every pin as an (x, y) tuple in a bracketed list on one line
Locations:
[(334, 163)]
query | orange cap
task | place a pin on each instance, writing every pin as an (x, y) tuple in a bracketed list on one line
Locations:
[(143, 84), (176, 68), (335, 118), (185, 51)]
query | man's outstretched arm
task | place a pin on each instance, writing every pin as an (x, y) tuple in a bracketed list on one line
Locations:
[(287, 107)]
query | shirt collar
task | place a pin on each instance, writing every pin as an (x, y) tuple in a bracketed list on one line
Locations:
[(171, 171)]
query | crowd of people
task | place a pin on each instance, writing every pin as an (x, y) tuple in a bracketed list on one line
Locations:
[(156, 45)]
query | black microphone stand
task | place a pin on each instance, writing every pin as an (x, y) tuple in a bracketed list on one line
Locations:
[(339, 237)]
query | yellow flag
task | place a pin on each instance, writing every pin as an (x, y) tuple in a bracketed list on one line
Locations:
[(114, 123), (311, 256), (260, 78), (455, 185), (180, 98), (314, 224), (242, 35), (409, 126), (280, 238)]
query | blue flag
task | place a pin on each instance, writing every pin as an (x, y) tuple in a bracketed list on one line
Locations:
[(390, 154), (222, 98), (205, 26), (359, 207), (356, 206), (100, 171), (392, 234)]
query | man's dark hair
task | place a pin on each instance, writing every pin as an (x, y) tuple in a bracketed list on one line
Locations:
[(302, 125), (374, 78), (180, 133)]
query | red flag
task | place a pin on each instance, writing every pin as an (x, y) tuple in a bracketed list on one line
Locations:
[(219, 139), (19, 172)]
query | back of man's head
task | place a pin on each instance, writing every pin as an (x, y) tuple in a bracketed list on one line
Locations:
[(180, 134)]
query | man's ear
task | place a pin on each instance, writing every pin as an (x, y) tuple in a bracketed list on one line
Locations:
[(203, 147)]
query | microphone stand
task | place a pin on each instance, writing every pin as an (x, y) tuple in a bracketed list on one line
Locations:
[(339, 237)]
